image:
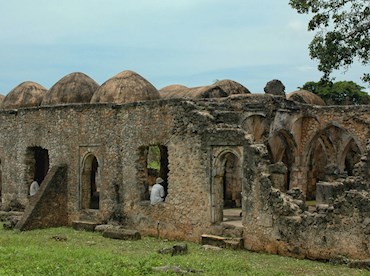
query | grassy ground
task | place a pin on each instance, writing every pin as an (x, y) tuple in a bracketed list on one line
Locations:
[(64, 251)]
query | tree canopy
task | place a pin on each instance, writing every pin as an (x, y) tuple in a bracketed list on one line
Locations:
[(342, 32), (338, 93)]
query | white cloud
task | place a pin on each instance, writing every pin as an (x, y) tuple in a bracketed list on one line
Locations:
[(43, 40), (306, 68), (297, 26)]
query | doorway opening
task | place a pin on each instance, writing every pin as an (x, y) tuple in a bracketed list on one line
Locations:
[(90, 184), (227, 188), (37, 161)]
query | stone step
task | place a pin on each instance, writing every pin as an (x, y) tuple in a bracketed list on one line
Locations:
[(4, 215), (235, 243), (223, 242), (227, 229), (232, 229), (84, 225)]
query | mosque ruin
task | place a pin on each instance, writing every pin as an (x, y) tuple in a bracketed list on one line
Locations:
[(297, 170)]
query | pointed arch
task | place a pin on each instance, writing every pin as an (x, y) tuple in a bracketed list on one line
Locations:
[(257, 126), (329, 147), (283, 148), (350, 155), (90, 182)]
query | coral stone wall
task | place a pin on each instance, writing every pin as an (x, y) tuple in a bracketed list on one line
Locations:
[(259, 132), (113, 134)]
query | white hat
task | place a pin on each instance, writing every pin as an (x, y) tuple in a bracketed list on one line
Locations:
[(159, 180)]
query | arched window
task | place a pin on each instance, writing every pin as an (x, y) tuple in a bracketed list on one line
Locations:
[(90, 185)]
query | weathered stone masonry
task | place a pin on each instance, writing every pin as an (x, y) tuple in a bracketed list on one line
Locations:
[(272, 148)]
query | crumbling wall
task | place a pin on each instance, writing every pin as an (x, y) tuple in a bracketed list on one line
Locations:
[(338, 228), (47, 208), (191, 131)]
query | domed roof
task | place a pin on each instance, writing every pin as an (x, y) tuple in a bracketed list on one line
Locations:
[(173, 91), (125, 87), (180, 91), (2, 97), (73, 88), (232, 87), (173, 87), (304, 96), (26, 94)]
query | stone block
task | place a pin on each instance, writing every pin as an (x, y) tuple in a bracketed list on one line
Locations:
[(213, 240), (103, 227), (84, 225), (326, 192), (235, 243), (122, 234), (361, 264), (231, 243)]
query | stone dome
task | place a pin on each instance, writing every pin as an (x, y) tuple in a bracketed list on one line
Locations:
[(232, 87), (173, 91), (180, 91), (125, 87), (304, 96), (26, 94), (73, 88), (2, 97)]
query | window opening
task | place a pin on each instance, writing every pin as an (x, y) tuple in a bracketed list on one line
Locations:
[(37, 161), (152, 163)]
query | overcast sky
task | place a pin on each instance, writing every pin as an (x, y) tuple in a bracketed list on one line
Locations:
[(188, 42)]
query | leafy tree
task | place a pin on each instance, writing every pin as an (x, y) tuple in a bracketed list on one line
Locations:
[(338, 93), (342, 32)]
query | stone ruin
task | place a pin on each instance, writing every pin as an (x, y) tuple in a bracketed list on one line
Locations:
[(297, 170)]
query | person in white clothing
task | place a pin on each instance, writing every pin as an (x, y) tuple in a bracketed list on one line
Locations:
[(34, 188), (157, 193)]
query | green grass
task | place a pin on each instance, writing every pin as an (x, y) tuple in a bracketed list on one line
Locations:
[(84, 253)]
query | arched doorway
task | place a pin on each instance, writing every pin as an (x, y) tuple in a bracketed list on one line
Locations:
[(226, 185), (90, 186), (332, 152)]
